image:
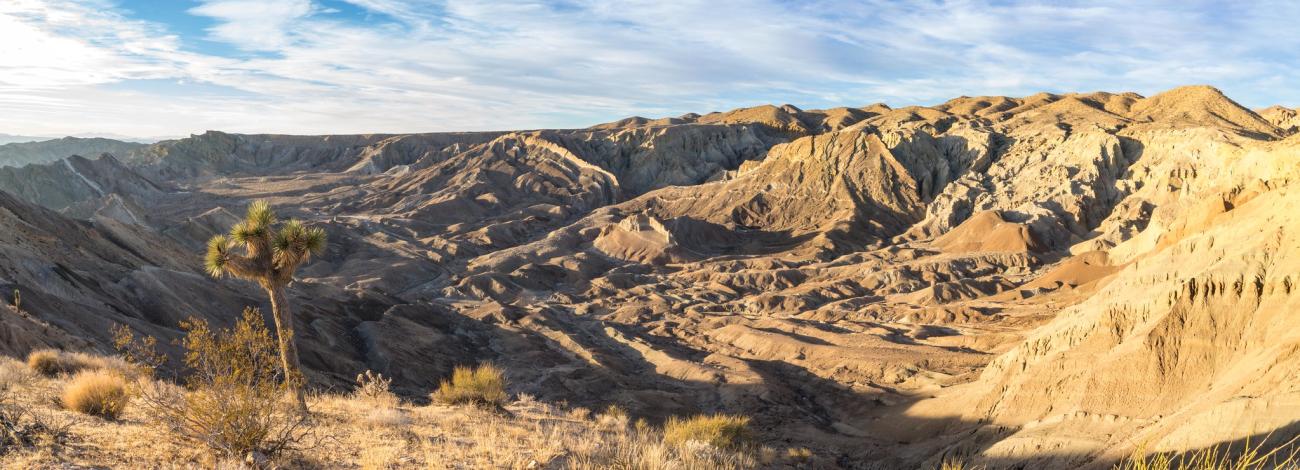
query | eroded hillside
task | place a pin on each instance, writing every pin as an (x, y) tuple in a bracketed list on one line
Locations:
[(1054, 278)]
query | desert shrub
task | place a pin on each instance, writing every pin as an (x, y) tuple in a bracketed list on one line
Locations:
[(483, 386), (373, 388), (97, 393), (719, 430), (234, 398)]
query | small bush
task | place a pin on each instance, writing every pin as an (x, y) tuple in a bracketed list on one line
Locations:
[(719, 430), (484, 386), (234, 401), (374, 389), (98, 393)]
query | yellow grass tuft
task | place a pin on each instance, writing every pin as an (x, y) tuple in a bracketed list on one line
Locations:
[(952, 463), (98, 393), (48, 362), (1255, 457), (484, 386), (52, 362), (718, 430)]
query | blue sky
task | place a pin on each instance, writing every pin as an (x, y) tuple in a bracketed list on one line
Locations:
[(175, 67)]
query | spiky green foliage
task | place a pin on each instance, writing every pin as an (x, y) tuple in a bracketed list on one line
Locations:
[(294, 244), (215, 262), (271, 254), (260, 214)]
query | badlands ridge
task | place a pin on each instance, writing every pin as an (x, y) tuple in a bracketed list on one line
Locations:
[(1040, 281)]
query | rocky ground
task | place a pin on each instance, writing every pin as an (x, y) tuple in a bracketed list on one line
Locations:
[(1049, 280)]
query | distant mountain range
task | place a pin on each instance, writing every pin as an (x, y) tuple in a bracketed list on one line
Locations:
[(13, 138), (23, 153)]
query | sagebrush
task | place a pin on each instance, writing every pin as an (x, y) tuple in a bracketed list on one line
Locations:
[(234, 397)]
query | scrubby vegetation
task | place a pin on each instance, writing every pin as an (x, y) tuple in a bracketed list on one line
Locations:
[(96, 392), (374, 388), (355, 430), (482, 386), (233, 400)]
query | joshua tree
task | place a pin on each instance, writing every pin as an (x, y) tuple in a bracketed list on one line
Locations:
[(271, 255)]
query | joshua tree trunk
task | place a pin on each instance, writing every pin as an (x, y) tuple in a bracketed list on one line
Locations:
[(288, 347)]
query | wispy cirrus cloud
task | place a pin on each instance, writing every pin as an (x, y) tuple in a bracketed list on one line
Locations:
[(332, 66)]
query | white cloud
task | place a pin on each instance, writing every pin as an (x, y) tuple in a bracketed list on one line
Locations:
[(259, 25), (426, 65)]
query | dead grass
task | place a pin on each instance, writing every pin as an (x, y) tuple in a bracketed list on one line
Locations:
[(52, 362), (482, 386), (951, 463), (1251, 457), (359, 431), (97, 393)]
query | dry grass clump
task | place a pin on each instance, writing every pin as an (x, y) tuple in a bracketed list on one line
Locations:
[(951, 463), (97, 393), (14, 375), (52, 362), (718, 430), (483, 386), (386, 417), (1256, 457)]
